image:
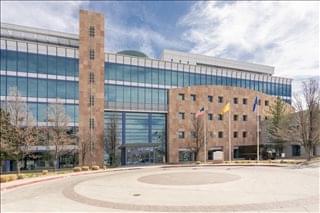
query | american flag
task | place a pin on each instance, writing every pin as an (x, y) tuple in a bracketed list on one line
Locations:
[(200, 112)]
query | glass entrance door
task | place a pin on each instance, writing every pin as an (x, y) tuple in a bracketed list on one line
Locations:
[(140, 155)]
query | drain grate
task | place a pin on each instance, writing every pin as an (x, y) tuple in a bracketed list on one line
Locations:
[(136, 195)]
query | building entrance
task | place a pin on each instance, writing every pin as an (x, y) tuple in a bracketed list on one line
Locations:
[(143, 155)]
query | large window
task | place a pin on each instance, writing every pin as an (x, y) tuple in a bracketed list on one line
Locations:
[(157, 76), (38, 63)]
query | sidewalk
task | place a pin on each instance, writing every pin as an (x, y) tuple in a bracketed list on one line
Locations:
[(27, 181)]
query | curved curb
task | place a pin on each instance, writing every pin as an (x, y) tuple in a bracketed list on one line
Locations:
[(227, 165), (45, 179), (136, 168), (63, 176)]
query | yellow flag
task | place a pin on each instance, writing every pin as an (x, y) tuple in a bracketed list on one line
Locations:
[(226, 108)]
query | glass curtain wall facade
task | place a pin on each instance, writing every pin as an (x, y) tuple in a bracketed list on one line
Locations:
[(129, 86), (43, 74), (140, 136), (135, 88)]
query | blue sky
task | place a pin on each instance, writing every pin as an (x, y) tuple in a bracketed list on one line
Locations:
[(157, 18), (281, 34)]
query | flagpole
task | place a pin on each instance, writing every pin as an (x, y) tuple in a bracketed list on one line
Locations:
[(258, 148), (205, 136), (229, 134)]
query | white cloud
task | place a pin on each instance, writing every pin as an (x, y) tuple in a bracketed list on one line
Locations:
[(146, 40), (280, 34), (63, 16), (59, 16)]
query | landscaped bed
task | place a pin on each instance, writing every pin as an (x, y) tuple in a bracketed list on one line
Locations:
[(31, 174)]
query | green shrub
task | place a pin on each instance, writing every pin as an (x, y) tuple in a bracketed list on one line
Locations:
[(45, 172), (77, 169), (198, 162), (20, 177), (95, 167), (85, 168)]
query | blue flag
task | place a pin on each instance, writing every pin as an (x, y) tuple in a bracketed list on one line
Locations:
[(255, 104)]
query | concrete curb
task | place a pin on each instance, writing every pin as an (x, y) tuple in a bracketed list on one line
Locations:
[(220, 165), (43, 179), (12, 185)]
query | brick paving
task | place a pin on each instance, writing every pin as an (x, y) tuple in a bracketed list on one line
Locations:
[(158, 189)]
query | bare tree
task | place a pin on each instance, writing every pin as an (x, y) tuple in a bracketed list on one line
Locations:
[(112, 140), (197, 135), (84, 148), (23, 135), (305, 127), (58, 130)]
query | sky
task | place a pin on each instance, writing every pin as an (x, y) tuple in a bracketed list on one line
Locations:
[(280, 34)]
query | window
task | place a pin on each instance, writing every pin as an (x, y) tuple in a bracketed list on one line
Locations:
[(220, 99), (266, 118), (220, 134), (266, 103), (181, 134), (210, 98), (210, 116), (245, 101), (91, 77), (91, 100), (220, 117), (181, 115), (181, 97), (244, 134), (91, 31), (193, 134), (235, 100), (296, 150), (235, 134), (235, 117), (91, 123), (244, 117), (211, 134), (193, 97), (91, 54)]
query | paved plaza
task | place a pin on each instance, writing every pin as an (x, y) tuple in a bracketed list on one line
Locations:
[(174, 189)]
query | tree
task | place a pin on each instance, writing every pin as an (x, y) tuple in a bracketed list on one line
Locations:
[(58, 131), (5, 132), (112, 140), (84, 148), (197, 135), (305, 126), (23, 134), (161, 149), (278, 112)]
